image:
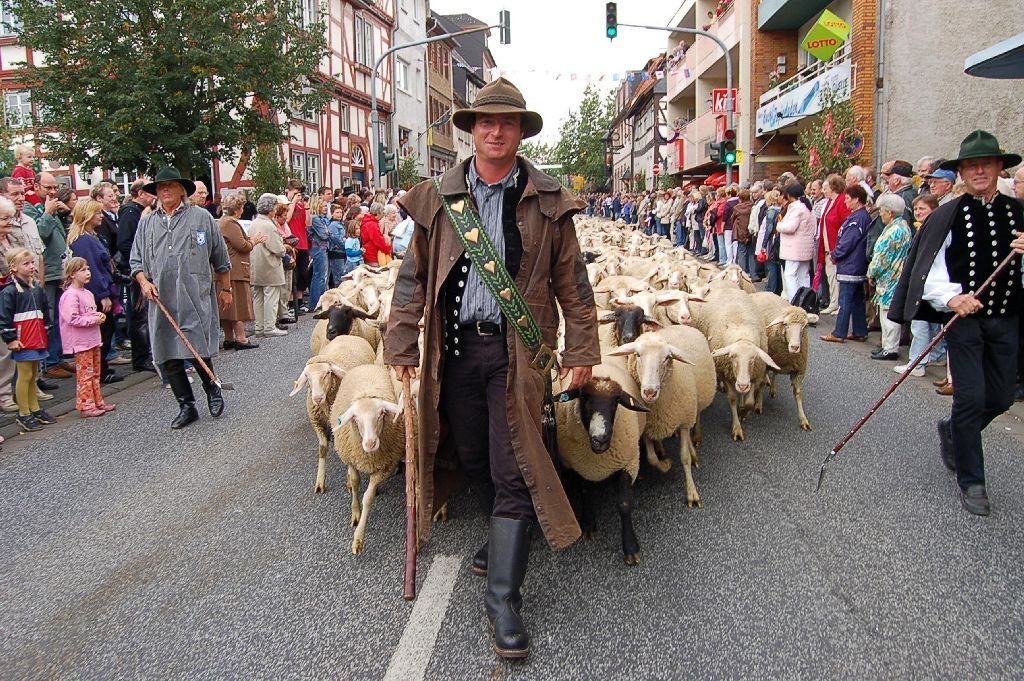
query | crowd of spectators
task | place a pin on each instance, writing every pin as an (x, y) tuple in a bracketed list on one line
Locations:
[(845, 237), (283, 249)]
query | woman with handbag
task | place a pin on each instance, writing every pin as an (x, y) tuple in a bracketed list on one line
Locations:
[(281, 216), (240, 246)]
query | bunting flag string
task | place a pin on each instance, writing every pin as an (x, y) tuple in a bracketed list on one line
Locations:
[(588, 77)]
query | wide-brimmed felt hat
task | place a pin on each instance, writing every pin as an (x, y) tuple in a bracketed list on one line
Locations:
[(981, 144), (498, 97), (170, 175)]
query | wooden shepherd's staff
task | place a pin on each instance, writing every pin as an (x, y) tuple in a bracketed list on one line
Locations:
[(410, 489)]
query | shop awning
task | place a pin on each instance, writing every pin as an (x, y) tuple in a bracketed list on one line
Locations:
[(1002, 60), (716, 180)]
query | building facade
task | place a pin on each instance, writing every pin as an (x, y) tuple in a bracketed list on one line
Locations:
[(441, 153), (410, 68)]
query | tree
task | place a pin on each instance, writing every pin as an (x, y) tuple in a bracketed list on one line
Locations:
[(832, 142), (268, 171), (538, 152), (169, 82), (581, 147), (408, 173)]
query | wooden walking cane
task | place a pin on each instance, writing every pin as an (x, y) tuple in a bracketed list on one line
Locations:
[(910, 367), (411, 539), (181, 334)]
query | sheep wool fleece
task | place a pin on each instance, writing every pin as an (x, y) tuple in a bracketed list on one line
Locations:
[(551, 268)]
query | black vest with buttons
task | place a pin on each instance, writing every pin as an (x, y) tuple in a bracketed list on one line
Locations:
[(456, 281), (980, 240)]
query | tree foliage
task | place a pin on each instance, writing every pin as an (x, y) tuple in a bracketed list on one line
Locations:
[(268, 171), (830, 145), (169, 82), (538, 152), (408, 173), (581, 147)]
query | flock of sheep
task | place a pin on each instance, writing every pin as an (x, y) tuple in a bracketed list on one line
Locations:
[(674, 331)]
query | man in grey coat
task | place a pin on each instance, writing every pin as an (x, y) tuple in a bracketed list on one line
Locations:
[(177, 249)]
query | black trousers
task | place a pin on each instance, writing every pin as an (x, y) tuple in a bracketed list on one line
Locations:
[(473, 399), (106, 337), (983, 361), (174, 371), (138, 326)]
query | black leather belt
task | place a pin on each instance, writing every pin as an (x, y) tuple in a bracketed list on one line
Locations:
[(479, 328)]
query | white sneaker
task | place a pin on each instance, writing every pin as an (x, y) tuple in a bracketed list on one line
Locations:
[(43, 397), (275, 332), (918, 370), (9, 405), (938, 362)]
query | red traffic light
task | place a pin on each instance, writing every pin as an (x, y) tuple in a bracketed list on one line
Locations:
[(729, 135)]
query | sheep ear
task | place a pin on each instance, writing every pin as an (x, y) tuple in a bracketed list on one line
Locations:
[(652, 321), (607, 318), (678, 355), (343, 419), (360, 313), (320, 313), (694, 298), (392, 408), (567, 396), (300, 383), (631, 403), (776, 322), (338, 370), (601, 288), (623, 350), (723, 351), (767, 359), (669, 297)]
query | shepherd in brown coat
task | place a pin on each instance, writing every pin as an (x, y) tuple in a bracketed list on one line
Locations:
[(479, 400)]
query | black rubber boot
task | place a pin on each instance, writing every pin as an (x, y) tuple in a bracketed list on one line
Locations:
[(509, 549), (187, 415), (215, 399), (480, 561)]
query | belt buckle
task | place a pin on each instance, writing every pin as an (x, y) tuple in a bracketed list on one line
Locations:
[(480, 331), (545, 360)]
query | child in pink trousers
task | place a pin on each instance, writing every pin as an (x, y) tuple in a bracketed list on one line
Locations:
[(80, 332)]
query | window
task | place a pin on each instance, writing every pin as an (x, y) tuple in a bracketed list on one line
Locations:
[(10, 23), (310, 12), (402, 75), (18, 108), (404, 144), (306, 167), (343, 114), (364, 41), (358, 158)]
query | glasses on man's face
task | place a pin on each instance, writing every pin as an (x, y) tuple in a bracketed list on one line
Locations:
[(51, 187), (6, 218)]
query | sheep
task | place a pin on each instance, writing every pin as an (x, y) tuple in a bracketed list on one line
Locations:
[(598, 440), (675, 395), (322, 374), (736, 334), (369, 436), (609, 287), (786, 327), (736, 275), (339, 320)]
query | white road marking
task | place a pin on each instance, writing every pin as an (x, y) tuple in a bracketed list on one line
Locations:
[(410, 660)]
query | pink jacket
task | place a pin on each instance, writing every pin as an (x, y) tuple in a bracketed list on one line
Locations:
[(79, 320), (796, 230)]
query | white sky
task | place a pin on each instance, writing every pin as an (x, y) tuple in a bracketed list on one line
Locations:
[(552, 37)]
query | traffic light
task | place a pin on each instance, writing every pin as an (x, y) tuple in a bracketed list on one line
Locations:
[(504, 34), (611, 20), (728, 147), (716, 152), (385, 161)]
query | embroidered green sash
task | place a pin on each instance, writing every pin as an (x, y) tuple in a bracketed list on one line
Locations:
[(481, 252)]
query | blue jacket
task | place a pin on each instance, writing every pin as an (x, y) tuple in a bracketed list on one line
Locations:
[(849, 254), (97, 255)]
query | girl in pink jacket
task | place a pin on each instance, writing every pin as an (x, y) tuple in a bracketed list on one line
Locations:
[(80, 332)]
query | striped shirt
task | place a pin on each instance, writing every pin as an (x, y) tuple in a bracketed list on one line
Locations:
[(478, 305)]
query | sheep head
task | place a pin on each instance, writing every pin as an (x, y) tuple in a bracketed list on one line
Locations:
[(321, 377), (795, 322), (628, 320), (599, 400), (367, 416), (744, 356), (654, 359), (340, 318)]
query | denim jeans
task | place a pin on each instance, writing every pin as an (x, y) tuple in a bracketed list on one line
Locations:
[(922, 334), (745, 258), (773, 268), (318, 279), (680, 233), (723, 250), (851, 306)]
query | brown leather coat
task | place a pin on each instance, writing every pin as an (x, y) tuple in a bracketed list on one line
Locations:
[(552, 269)]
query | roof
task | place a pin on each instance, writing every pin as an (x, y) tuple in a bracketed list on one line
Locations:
[(1002, 60)]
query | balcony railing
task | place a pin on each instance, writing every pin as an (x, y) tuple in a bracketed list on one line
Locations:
[(807, 74)]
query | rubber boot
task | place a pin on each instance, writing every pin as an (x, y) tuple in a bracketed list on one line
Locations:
[(509, 549), (187, 415), (484, 490)]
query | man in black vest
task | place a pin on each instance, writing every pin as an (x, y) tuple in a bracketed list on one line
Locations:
[(963, 243), (138, 323)]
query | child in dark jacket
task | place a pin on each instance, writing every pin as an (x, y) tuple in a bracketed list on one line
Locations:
[(24, 318)]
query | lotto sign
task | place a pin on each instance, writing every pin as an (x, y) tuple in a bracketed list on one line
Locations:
[(718, 96), (826, 36), (577, 182)]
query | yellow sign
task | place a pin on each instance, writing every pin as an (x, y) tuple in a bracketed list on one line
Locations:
[(577, 182), (826, 36)]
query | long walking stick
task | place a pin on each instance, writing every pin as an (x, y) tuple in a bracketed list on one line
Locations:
[(410, 490), (910, 367), (181, 334)]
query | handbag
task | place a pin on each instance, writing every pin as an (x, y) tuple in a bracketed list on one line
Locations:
[(383, 259), (762, 256)]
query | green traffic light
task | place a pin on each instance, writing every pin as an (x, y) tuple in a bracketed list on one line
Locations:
[(612, 31), (730, 157)]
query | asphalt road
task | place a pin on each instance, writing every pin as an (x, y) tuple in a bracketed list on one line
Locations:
[(131, 551)]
